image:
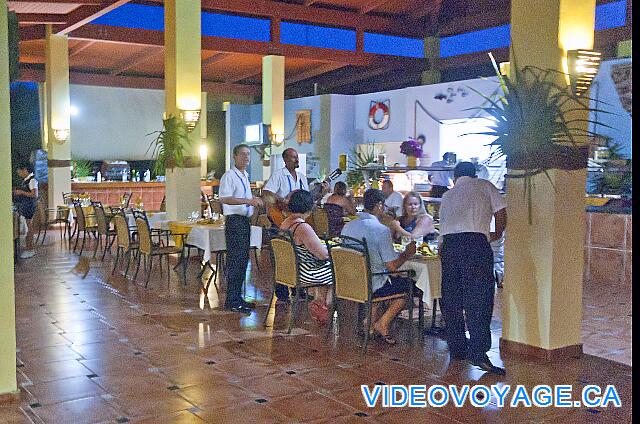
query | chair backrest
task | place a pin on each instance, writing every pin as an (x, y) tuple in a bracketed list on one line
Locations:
[(62, 213), (335, 214), (320, 222), (39, 219), (77, 208), (163, 204), (144, 234), (122, 230), (285, 261), (351, 269), (126, 198), (101, 217), (215, 205)]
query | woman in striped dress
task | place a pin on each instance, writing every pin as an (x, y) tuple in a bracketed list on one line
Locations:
[(314, 257)]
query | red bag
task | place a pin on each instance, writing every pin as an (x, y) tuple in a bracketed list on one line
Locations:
[(319, 312)]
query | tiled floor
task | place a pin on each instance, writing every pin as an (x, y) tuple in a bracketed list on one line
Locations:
[(103, 349)]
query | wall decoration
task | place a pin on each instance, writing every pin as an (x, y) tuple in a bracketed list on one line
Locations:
[(379, 115), (451, 93), (303, 126), (621, 75)]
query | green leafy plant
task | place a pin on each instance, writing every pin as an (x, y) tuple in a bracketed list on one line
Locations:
[(82, 168), (171, 144), (538, 124), (615, 180), (362, 159)]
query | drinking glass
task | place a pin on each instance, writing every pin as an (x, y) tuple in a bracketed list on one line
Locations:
[(405, 240), (418, 240), (359, 208)]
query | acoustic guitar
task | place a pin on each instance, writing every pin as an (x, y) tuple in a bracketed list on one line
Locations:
[(277, 211)]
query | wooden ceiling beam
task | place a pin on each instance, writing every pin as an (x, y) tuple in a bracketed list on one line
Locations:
[(228, 45), (85, 14), (313, 72), (41, 18), (135, 60), (32, 33), (357, 76), (315, 15), (308, 3), (151, 82), (251, 73), (217, 57), (372, 5), (81, 2), (80, 47)]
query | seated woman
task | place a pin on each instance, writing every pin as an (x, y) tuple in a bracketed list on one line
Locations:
[(415, 221), (314, 266), (340, 198)]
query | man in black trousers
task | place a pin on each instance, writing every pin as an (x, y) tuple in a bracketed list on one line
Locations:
[(467, 263), (237, 207)]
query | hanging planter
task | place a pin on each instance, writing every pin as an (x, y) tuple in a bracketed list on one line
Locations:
[(538, 124), (171, 145)]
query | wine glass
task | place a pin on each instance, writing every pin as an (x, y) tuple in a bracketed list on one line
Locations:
[(404, 241), (359, 208), (418, 240)]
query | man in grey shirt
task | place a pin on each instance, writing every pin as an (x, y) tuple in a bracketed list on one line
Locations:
[(382, 257)]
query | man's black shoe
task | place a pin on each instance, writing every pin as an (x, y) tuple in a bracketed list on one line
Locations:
[(250, 305), (238, 308), (486, 365)]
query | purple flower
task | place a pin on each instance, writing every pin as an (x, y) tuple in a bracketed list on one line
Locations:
[(411, 147)]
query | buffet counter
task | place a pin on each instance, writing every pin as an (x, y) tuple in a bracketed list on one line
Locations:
[(151, 193)]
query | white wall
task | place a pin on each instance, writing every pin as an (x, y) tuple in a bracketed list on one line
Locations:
[(113, 123)]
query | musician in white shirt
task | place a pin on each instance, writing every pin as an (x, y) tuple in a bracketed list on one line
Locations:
[(285, 180), (237, 206)]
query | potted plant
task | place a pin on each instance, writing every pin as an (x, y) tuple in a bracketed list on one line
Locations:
[(363, 159), (413, 150), (535, 123), (171, 145), (81, 169)]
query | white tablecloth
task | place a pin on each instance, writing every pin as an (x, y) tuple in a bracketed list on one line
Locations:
[(211, 239), (153, 217), (428, 277)]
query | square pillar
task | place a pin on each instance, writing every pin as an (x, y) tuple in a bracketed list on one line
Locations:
[(58, 116), (183, 92), (542, 298), (273, 100), (8, 383)]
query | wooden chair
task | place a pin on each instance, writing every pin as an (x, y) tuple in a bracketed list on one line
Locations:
[(126, 198), (163, 204), (335, 215), (125, 243), (82, 225), (149, 250), (104, 229), (50, 216), (320, 221), (352, 280), (287, 262)]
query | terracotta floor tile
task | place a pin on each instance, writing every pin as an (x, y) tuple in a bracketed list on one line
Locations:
[(87, 410), (251, 412), (182, 417), (216, 394), (56, 371), (65, 390), (151, 401), (276, 385), (310, 406)]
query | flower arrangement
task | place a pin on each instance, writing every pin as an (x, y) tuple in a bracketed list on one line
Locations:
[(411, 147)]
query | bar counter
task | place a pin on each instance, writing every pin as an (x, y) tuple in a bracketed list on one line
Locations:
[(151, 193)]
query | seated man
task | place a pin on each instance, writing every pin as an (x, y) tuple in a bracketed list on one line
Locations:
[(383, 258), (393, 199)]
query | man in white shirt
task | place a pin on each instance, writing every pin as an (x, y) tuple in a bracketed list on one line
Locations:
[(393, 199), (481, 170), (237, 207), (285, 180), (25, 198), (441, 180), (467, 263)]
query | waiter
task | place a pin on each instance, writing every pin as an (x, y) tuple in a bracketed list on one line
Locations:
[(441, 180), (467, 263), (237, 207)]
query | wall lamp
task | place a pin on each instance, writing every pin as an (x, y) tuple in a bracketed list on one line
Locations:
[(61, 135), (191, 118), (583, 66)]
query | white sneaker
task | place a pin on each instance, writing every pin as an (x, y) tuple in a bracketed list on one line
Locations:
[(27, 254)]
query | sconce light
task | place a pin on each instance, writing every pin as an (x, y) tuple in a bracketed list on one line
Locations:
[(583, 66), (505, 67), (61, 135), (276, 139), (204, 151), (191, 118)]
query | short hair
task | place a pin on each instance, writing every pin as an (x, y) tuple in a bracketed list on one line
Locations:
[(301, 201), (372, 197), (287, 150), (388, 182), (421, 136), (340, 188), (237, 148), (464, 169), (417, 196), (25, 165)]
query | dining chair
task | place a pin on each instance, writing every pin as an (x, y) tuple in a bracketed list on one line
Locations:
[(52, 216), (149, 250), (83, 224), (287, 260), (352, 281), (335, 215), (320, 221), (104, 230), (125, 245)]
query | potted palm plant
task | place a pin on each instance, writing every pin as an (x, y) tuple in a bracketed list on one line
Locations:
[(538, 123), (171, 145)]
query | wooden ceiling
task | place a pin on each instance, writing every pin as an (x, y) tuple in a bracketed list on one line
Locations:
[(126, 57)]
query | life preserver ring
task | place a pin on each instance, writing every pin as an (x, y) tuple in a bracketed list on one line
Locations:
[(375, 121)]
